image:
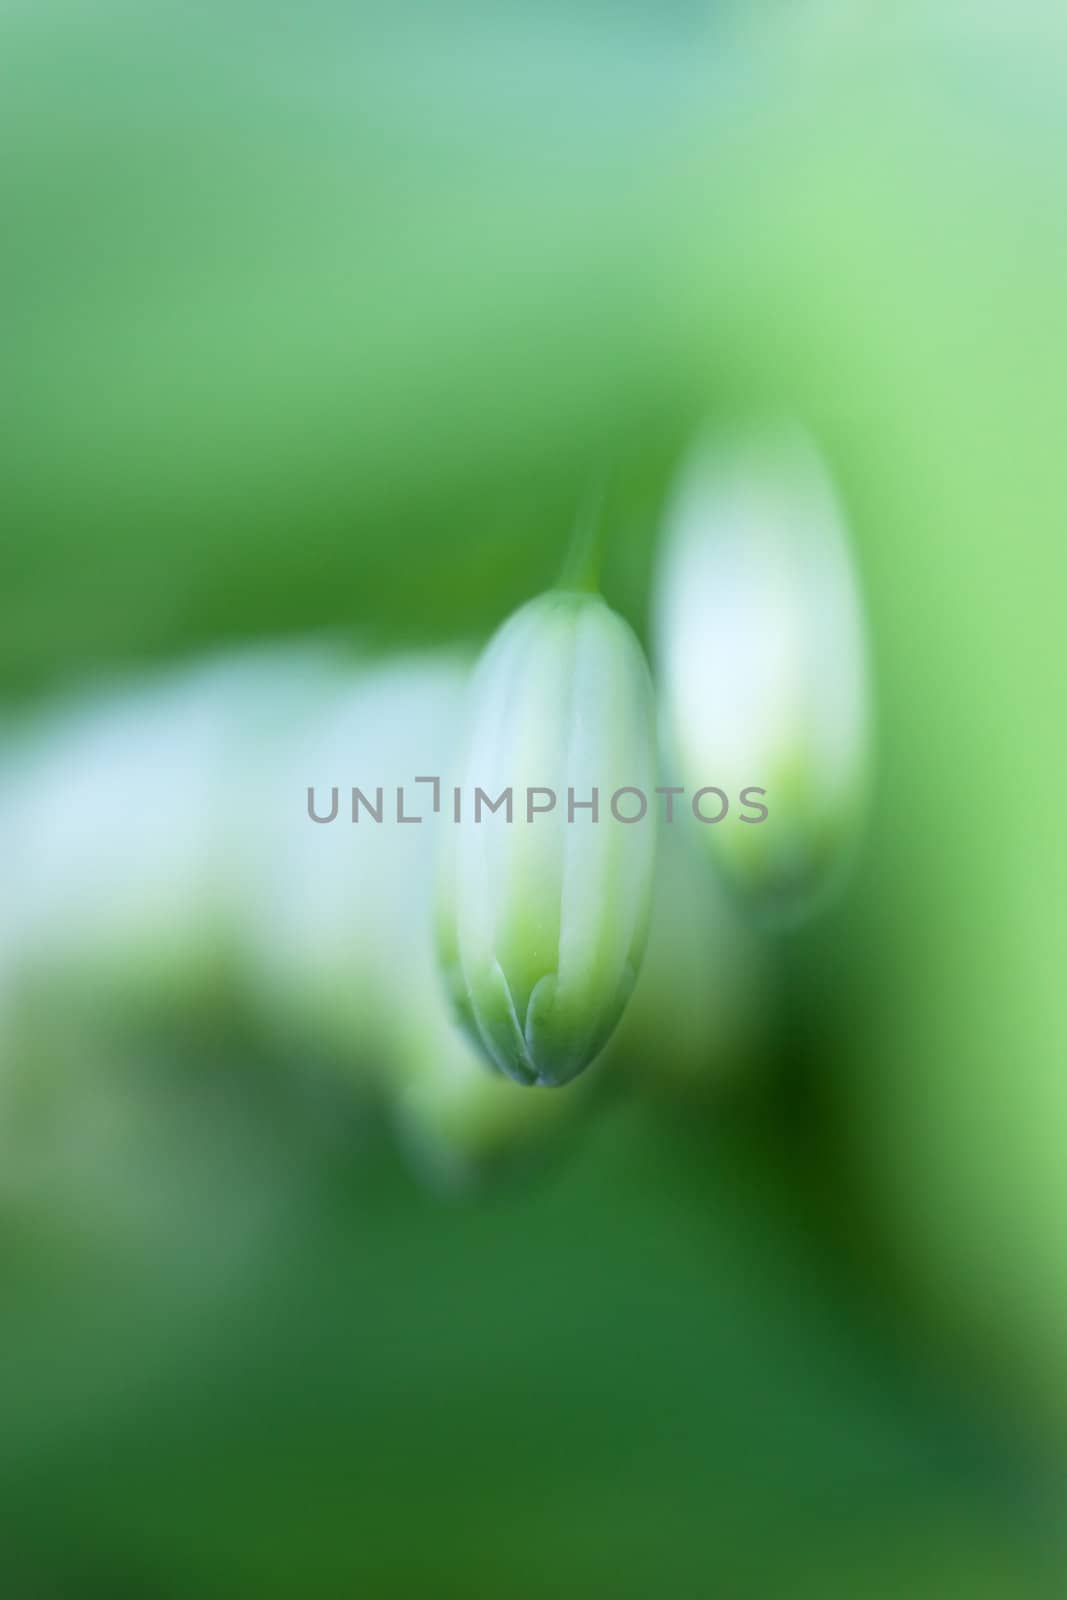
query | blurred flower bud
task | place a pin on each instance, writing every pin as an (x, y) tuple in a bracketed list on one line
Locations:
[(544, 905), (760, 639)]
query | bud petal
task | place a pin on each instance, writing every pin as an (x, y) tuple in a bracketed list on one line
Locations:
[(543, 918)]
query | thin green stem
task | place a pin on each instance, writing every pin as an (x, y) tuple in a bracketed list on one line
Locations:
[(581, 566)]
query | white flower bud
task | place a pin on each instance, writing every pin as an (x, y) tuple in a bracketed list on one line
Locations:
[(543, 918), (760, 640)]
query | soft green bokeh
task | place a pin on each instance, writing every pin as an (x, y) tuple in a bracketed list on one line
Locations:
[(322, 320)]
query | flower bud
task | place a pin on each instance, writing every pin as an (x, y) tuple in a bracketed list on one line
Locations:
[(543, 914), (760, 639)]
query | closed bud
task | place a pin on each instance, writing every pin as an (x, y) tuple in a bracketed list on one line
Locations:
[(542, 919), (760, 639)]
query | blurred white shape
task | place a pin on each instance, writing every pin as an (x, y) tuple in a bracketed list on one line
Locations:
[(336, 916), (156, 854), (118, 813), (761, 644), (338, 933)]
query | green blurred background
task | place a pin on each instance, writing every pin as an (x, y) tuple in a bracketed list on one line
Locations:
[(314, 322)]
